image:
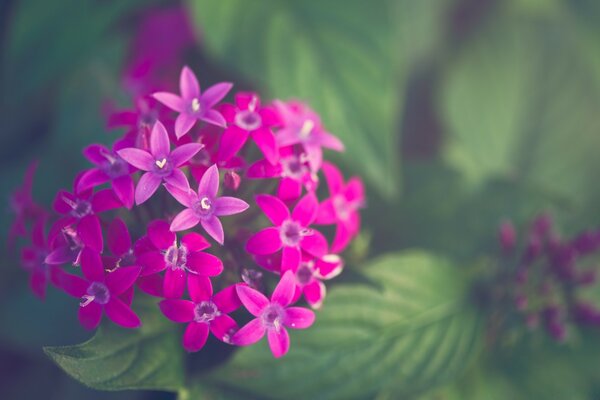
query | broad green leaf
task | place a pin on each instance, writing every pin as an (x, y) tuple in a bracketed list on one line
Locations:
[(410, 330), (520, 101), (347, 58), (115, 358)]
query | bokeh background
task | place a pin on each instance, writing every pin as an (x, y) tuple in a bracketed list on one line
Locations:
[(457, 114)]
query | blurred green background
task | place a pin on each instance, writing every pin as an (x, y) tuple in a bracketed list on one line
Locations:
[(457, 113)]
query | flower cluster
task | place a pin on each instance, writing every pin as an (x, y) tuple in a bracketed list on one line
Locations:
[(548, 276), (186, 208)]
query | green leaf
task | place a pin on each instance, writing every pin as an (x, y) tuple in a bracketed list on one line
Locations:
[(411, 329), (521, 103), (149, 358), (346, 58)]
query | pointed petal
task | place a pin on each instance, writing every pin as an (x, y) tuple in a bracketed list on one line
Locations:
[(146, 187), (227, 300), (315, 244), (105, 200), (178, 310), (199, 287), (329, 266), (289, 189), (160, 235), (213, 227), (342, 238), (195, 242), (174, 283), (329, 141), (264, 242), (254, 301), (91, 265), (249, 334), (279, 342), (122, 279), (266, 142), (91, 178), (90, 315), (232, 140), (222, 327), (60, 255), (314, 293), (209, 184), (72, 285), (284, 291), (195, 335), (215, 118), (290, 259), (263, 169), (95, 153), (119, 241), (326, 214), (274, 208), (178, 179), (215, 94), (170, 100), (306, 210), (334, 178), (160, 146), (90, 232), (151, 262), (183, 123), (204, 263), (355, 191), (121, 314), (124, 190), (152, 285), (229, 205), (183, 153), (140, 159), (299, 318), (185, 197), (186, 219), (188, 83)]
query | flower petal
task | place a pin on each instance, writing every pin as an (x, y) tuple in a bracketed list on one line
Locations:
[(178, 310), (151, 262), (204, 263), (122, 279), (90, 315), (174, 283), (355, 191), (215, 94), (227, 300), (188, 83), (315, 244), (72, 285), (140, 159), (222, 327), (146, 187), (285, 289), (289, 189), (249, 334), (95, 153), (215, 118), (170, 100), (299, 317), (178, 180), (326, 214), (229, 205), (185, 197), (195, 242), (152, 285), (186, 219), (183, 123), (306, 210), (254, 301), (232, 140), (266, 142), (264, 242), (199, 287), (121, 314), (124, 190), (91, 178), (195, 335), (290, 258), (105, 200), (274, 208), (183, 153), (90, 232), (160, 235), (279, 342), (91, 265), (209, 184), (314, 293), (334, 178), (119, 241), (160, 146), (213, 227)]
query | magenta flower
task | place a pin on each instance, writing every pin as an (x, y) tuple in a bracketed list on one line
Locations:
[(292, 169), (291, 231), (120, 245), (33, 259), (109, 167), (342, 207), (194, 105), (204, 206), (177, 260), (101, 291), (272, 317), (161, 164), (23, 206), (248, 118), (66, 246), (203, 313), (309, 275), (301, 125)]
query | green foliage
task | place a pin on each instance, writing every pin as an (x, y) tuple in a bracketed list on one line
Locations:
[(410, 329), (118, 359)]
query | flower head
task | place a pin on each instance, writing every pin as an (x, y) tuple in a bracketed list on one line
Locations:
[(23, 206)]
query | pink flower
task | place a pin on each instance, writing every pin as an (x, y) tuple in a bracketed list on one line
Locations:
[(120, 245), (293, 170), (301, 125), (203, 313), (177, 260), (161, 164), (23, 206), (248, 118), (342, 207), (33, 259), (204, 206), (109, 167), (290, 232), (194, 105), (308, 277), (272, 317), (101, 291)]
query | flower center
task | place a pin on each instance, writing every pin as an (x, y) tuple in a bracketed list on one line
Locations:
[(176, 257), (206, 312), (127, 259), (248, 120), (203, 207), (162, 167), (79, 208), (291, 233), (304, 273), (97, 292), (147, 119), (114, 166), (293, 167), (272, 317), (306, 129), (196, 105)]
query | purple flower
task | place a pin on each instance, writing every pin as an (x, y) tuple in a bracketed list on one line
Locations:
[(272, 317), (248, 118), (109, 167), (177, 260), (203, 313), (194, 105), (308, 277), (342, 207), (33, 259), (101, 291), (204, 206), (23, 206), (301, 125), (290, 231), (161, 164)]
